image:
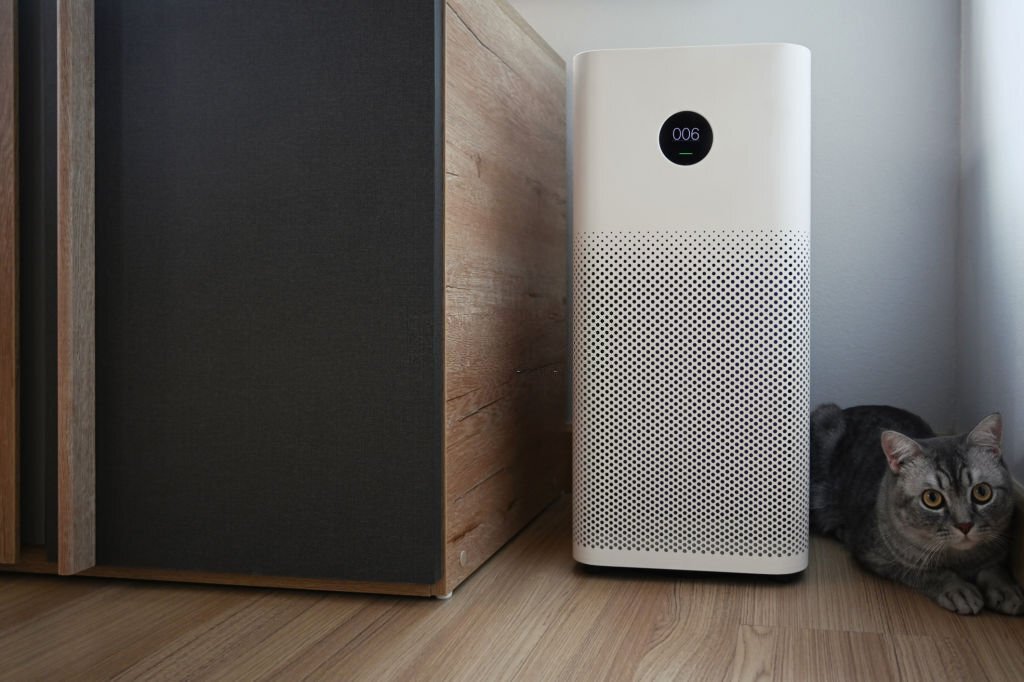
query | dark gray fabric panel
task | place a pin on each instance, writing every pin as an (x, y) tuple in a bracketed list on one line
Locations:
[(267, 187), (37, 271)]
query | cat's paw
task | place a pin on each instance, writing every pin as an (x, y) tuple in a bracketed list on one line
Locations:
[(1008, 599), (962, 598)]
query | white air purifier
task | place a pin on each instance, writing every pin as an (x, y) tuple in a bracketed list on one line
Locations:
[(691, 321)]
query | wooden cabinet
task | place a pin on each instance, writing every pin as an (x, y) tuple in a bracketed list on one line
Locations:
[(301, 319)]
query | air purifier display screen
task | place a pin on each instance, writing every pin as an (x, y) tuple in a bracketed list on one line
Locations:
[(685, 138)]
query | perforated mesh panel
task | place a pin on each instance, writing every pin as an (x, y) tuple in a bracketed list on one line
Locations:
[(691, 354)]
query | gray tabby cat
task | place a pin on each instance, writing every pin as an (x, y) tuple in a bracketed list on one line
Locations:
[(932, 512)]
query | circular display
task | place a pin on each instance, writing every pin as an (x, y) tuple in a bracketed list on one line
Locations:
[(685, 138)]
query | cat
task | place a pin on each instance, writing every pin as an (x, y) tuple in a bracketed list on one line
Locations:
[(932, 512)]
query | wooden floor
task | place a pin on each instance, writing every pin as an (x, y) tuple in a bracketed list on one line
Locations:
[(529, 614)]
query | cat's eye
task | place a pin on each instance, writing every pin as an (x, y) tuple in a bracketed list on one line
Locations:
[(932, 499), (982, 493)]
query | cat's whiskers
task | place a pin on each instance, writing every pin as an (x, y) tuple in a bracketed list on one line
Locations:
[(928, 553)]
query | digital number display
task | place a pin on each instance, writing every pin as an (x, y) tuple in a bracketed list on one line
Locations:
[(685, 138)]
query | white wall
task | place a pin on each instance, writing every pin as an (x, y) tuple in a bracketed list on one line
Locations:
[(886, 166), (991, 250)]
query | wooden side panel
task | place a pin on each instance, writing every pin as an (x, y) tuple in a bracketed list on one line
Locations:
[(76, 466), (9, 522), (507, 449)]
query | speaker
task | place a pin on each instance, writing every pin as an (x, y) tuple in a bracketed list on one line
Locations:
[(691, 265), (291, 280)]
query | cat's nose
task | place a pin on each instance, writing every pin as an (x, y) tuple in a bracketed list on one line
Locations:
[(965, 527)]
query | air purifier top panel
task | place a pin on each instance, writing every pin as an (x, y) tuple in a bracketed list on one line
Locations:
[(692, 137)]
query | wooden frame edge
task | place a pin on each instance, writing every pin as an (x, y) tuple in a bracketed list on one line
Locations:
[(441, 588), (76, 443), (10, 522), (34, 562)]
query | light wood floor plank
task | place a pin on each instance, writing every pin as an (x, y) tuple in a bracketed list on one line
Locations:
[(531, 613), (344, 642), (998, 648), (922, 658), (524, 596), (27, 598), (910, 613), (229, 643), (286, 643), (832, 655), (834, 594), (99, 635), (754, 657), (455, 639), (191, 610)]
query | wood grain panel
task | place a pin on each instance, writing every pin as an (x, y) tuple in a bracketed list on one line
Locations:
[(76, 390), (9, 484), (506, 449)]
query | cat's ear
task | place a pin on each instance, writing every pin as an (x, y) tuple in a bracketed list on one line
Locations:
[(899, 449), (988, 434)]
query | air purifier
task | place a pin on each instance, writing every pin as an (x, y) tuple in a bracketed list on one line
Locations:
[(691, 259)]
